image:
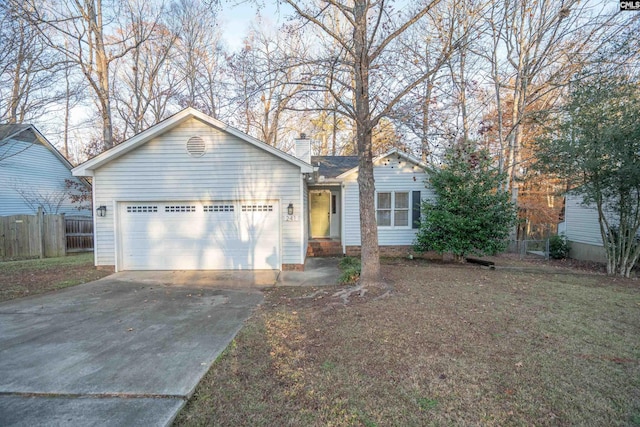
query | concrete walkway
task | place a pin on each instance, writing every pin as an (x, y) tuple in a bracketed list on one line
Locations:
[(317, 272), (128, 349)]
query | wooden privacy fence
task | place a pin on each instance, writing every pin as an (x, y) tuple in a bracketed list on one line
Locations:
[(79, 234), (31, 236)]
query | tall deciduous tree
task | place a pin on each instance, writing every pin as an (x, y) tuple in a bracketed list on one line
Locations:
[(367, 34), (535, 46), (30, 73), (92, 36), (200, 57), (142, 84), (266, 83)]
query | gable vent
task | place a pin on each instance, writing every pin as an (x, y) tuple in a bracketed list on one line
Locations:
[(196, 147)]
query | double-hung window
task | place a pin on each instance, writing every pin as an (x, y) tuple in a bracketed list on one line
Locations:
[(392, 209)]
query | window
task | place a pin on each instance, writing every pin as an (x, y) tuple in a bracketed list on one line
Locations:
[(257, 208), (142, 209), (180, 208), (218, 208), (392, 209)]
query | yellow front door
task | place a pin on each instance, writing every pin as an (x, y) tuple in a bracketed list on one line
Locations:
[(320, 202)]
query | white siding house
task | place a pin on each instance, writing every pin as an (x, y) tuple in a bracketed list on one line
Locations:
[(581, 222), (400, 188), (191, 193), (582, 229), (33, 174)]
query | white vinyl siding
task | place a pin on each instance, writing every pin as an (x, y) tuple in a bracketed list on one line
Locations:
[(34, 168), (230, 169), (304, 218), (391, 175), (581, 221)]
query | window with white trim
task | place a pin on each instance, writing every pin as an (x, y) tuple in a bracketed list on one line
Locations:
[(392, 209)]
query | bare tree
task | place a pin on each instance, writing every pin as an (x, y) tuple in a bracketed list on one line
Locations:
[(29, 72), (545, 43), (368, 35), (200, 57), (92, 36), (50, 200), (266, 83), (140, 88), (423, 112)]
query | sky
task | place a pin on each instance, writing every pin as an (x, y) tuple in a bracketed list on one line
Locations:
[(235, 18)]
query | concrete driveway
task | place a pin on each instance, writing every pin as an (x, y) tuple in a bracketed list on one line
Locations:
[(124, 350)]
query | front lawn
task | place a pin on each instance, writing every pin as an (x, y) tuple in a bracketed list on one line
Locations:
[(452, 345), (35, 276)]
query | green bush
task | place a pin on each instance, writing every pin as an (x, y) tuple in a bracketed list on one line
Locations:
[(350, 267), (558, 247), (469, 214)]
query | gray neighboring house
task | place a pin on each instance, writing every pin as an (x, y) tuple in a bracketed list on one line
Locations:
[(32, 173), (192, 193), (582, 229)]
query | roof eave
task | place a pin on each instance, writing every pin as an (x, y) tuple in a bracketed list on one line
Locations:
[(405, 156), (87, 168)]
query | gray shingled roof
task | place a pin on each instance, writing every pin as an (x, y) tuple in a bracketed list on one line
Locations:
[(11, 129), (332, 166)]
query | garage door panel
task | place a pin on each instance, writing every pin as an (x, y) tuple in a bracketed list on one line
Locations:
[(188, 236)]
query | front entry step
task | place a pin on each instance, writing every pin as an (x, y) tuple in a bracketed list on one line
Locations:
[(324, 248)]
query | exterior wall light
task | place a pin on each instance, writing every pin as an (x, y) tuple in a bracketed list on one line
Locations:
[(290, 209), (102, 210)]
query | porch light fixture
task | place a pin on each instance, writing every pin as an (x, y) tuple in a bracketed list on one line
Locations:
[(102, 210), (290, 209)]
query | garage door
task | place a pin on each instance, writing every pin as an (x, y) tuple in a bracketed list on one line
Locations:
[(199, 236)]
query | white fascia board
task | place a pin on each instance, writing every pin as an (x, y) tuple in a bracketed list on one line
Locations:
[(393, 151), (87, 168)]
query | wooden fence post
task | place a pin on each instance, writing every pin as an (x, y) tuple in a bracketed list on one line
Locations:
[(41, 231)]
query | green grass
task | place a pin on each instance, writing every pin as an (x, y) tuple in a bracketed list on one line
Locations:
[(40, 264), (453, 345), (35, 276)]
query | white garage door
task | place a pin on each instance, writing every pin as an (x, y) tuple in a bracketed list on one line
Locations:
[(199, 236)]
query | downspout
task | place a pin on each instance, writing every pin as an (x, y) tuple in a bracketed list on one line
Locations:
[(343, 219), (303, 209)]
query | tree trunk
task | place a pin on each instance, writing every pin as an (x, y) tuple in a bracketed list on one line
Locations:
[(102, 73), (17, 80), (370, 253), (425, 150), (334, 131)]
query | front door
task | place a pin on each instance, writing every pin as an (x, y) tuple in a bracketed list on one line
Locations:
[(320, 201)]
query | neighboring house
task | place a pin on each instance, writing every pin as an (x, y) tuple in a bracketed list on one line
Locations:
[(192, 193), (33, 174), (582, 229)]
